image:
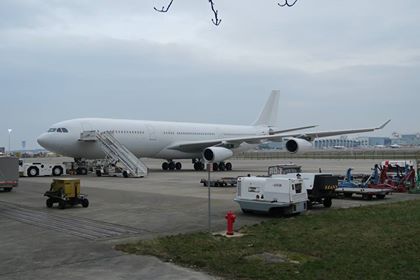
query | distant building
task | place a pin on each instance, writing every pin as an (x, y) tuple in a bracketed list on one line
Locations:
[(330, 143), (407, 140), (375, 141)]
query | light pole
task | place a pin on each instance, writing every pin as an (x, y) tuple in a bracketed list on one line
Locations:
[(10, 131)]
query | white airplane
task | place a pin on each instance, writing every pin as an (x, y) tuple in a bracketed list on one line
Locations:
[(176, 140)]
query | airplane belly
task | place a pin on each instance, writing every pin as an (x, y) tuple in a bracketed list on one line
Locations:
[(173, 154)]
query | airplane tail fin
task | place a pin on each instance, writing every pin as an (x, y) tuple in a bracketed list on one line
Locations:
[(268, 116)]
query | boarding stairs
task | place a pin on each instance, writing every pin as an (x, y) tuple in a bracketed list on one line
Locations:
[(117, 152)]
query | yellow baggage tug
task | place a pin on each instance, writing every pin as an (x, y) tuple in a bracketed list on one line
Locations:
[(65, 192)]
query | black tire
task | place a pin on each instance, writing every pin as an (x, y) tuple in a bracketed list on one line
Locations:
[(229, 166), (367, 196), (196, 166), (222, 166), (165, 166), (171, 166), (201, 166), (57, 171), (125, 174), (178, 166), (82, 171), (327, 202), (62, 204), (348, 195), (215, 167), (49, 203), (380, 196), (85, 203), (33, 171), (246, 211), (98, 173), (7, 189)]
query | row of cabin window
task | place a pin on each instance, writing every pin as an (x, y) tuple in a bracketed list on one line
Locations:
[(59, 130), (191, 133), (126, 131)]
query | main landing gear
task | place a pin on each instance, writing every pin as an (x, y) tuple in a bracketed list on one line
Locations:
[(222, 166), (198, 166), (171, 165), (217, 166)]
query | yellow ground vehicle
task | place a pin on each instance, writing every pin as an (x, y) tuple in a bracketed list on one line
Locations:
[(65, 192)]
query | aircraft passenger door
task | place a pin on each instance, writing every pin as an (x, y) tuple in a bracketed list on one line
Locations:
[(87, 126), (152, 132)]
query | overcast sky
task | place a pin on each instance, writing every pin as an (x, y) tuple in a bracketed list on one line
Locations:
[(339, 64)]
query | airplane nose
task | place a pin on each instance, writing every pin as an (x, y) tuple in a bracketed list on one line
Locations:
[(43, 140)]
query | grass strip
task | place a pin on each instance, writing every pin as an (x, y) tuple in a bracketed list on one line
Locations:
[(376, 242)]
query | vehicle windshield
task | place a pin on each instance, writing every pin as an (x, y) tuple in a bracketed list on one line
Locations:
[(52, 130)]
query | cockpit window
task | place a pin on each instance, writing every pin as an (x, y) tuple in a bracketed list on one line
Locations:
[(65, 130), (52, 130), (59, 130)]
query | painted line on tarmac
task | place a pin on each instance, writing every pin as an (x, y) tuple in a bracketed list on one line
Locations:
[(81, 227)]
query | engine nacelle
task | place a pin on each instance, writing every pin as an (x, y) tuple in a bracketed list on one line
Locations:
[(217, 154), (296, 145)]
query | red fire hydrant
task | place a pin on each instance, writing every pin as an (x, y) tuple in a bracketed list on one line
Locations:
[(230, 217)]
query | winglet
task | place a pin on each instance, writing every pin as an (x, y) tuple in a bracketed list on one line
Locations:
[(382, 126)]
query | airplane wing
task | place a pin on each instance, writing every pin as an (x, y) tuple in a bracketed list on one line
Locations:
[(231, 143), (311, 136)]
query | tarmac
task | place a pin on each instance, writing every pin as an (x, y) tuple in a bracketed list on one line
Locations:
[(37, 242)]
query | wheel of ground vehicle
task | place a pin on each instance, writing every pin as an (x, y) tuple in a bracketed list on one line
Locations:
[(125, 174), (62, 204), (246, 211), (367, 196), (85, 203), (57, 171), (33, 171), (348, 195), (380, 196), (178, 166), (327, 202), (98, 173), (49, 203), (82, 171)]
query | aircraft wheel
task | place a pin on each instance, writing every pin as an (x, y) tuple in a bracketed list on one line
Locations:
[(171, 166), (215, 167), (165, 166), (222, 166), (196, 166), (229, 166), (178, 166)]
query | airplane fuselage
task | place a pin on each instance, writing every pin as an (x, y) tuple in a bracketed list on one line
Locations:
[(149, 139)]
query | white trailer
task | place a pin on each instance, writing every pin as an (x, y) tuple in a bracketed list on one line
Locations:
[(33, 167), (319, 186), (271, 195)]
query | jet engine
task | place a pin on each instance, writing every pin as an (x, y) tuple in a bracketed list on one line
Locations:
[(217, 154), (296, 145)]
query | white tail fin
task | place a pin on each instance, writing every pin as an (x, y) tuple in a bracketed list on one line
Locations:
[(268, 116)]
